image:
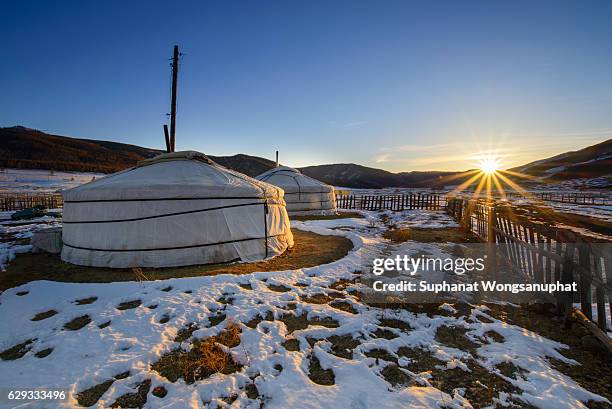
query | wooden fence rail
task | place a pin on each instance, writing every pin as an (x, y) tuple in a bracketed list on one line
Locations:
[(412, 201), (13, 202), (542, 253), (578, 198)]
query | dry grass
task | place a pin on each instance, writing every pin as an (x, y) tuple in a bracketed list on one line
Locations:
[(342, 215), (455, 337), (279, 288), (205, 358), (343, 306), (342, 284), (43, 315), (298, 322), (385, 334), (420, 359), (595, 367), (481, 386), (319, 375), (186, 332), (128, 305), (396, 376), (343, 345), (136, 399), (77, 323), (292, 344), (510, 370), (259, 318), (395, 323), (43, 353), (90, 396), (216, 319), (446, 235), (85, 301), (17, 351), (310, 250), (319, 298), (494, 336), (104, 325), (379, 354)]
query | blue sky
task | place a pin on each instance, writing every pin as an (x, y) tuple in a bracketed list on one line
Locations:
[(396, 85)]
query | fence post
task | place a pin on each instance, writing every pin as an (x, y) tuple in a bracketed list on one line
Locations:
[(600, 297), (565, 300), (491, 241), (585, 280)]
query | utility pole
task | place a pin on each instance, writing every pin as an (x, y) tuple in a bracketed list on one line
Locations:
[(167, 136), (175, 66), (276, 158)]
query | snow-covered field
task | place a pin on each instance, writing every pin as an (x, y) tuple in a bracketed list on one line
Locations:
[(136, 338), (42, 181)]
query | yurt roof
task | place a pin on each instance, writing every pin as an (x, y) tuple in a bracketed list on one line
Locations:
[(185, 174), (290, 179)]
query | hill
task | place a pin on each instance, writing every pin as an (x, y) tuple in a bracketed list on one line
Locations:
[(26, 148), (590, 162), (357, 176)]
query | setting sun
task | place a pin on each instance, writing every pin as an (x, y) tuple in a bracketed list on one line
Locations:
[(489, 165)]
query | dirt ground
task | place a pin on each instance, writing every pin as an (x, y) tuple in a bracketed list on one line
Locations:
[(595, 360), (310, 250)]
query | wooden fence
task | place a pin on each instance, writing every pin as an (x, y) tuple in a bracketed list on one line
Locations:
[(579, 198), (19, 201), (542, 253), (410, 201)]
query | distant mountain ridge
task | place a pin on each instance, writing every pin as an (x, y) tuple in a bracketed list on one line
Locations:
[(590, 162), (26, 148), (358, 176)]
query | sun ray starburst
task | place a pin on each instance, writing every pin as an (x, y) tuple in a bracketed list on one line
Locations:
[(488, 179)]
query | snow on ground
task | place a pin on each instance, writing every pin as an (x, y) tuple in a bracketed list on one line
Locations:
[(135, 338), (424, 219), (42, 181), (15, 235)]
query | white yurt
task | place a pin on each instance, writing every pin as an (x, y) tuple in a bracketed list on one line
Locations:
[(175, 209), (303, 194)]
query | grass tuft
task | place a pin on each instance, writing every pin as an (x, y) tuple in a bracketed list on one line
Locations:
[(43, 315), (85, 301), (205, 358), (136, 399), (318, 375), (77, 323), (43, 353), (90, 396), (128, 305), (104, 325), (17, 351)]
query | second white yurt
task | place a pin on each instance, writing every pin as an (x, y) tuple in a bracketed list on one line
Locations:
[(176, 209), (303, 194)]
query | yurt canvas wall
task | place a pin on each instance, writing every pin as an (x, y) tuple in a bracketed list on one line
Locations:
[(175, 209), (303, 194)]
